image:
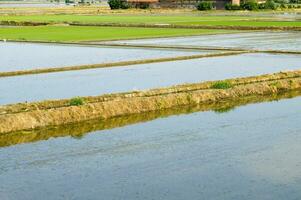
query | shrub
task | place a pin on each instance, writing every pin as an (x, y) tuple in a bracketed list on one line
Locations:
[(270, 4), (284, 6), (295, 1), (230, 6), (250, 5), (76, 101), (125, 5), (261, 6), (205, 5), (118, 4), (144, 6), (281, 1), (221, 85)]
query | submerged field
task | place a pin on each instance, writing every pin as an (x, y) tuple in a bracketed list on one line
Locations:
[(205, 115), (249, 152)]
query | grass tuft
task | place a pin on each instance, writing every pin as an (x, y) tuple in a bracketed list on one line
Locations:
[(77, 101), (221, 85)]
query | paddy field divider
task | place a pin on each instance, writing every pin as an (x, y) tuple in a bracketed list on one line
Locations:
[(116, 64), (78, 130), (29, 116)]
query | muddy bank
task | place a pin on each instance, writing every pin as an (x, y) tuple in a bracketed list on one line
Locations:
[(50, 113), (29, 23), (78, 130)]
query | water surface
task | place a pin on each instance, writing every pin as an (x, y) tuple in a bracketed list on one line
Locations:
[(139, 77), (249, 40), (26, 56), (251, 152), (30, 5)]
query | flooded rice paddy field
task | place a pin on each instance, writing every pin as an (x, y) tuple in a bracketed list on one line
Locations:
[(246, 152), (251, 152), (139, 77), (249, 40), (26, 56)]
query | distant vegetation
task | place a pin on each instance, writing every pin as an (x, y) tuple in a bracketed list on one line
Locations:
[(158, 19), (118, 4), (268, 5), (205, 5)]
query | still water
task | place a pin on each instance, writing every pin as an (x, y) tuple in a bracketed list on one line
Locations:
[(250, 152), (25, 56), (30, 5), (249, 40), (139, 77)]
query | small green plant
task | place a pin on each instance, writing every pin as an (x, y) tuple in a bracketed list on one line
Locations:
[(205, 5), (76, 101), (221, 85)]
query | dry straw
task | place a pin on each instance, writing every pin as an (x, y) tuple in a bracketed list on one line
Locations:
[(50, 113)]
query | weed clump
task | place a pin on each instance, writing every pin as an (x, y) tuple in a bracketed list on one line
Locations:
[(76, 101), (221, 85), (205, 5)]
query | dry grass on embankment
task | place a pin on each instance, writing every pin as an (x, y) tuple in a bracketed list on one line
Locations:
[(50, 113), (80, 129)]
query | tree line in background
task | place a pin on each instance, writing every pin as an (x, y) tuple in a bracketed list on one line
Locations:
[(253, 5), (210, 5)]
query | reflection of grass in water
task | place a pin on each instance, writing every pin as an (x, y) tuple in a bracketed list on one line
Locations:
[(79, 130), (224, 109)]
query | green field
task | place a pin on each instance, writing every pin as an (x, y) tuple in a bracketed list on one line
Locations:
[(86, 33), (159, 19)]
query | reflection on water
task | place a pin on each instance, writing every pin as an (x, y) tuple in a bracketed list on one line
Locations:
[(78, 130), (277, 164), (140, 77), (26, 56), (251, 152), (30, 5), (251, 40)]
